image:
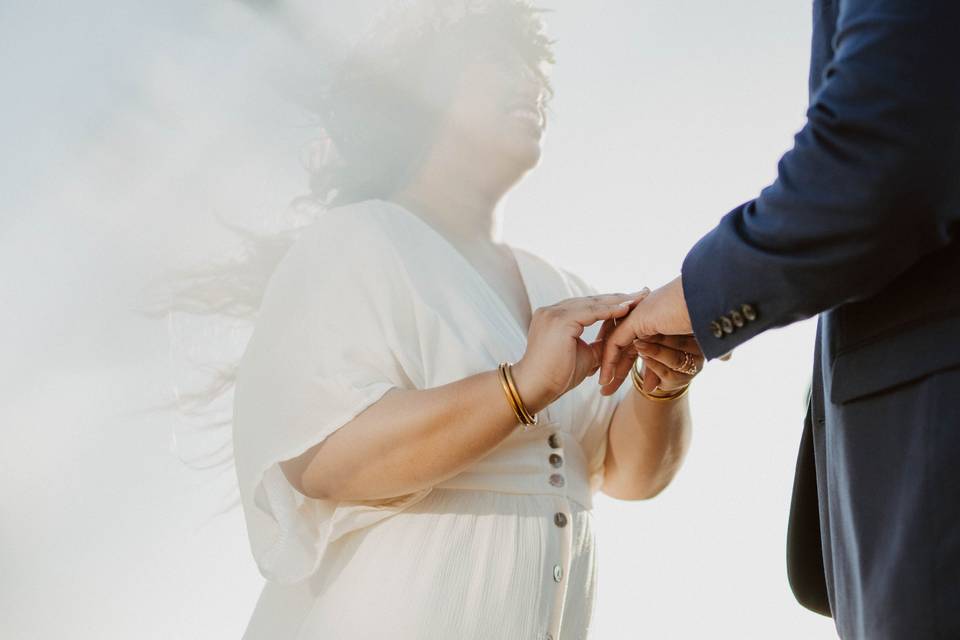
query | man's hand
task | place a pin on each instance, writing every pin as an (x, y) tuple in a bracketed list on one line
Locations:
[(663, 312)]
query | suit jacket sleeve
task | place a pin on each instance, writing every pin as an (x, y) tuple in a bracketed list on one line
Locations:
[(869, 188)]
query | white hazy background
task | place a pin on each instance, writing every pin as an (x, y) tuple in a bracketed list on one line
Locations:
[(127, 127)]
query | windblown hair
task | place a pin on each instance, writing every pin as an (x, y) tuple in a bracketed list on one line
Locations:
[(378, 112)]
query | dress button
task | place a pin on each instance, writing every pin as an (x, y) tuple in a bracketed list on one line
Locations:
[(556, 460), (557, 573), (560, 519), (749, 312), (557, 480), (554, 441), (737, 318), (726, 324)]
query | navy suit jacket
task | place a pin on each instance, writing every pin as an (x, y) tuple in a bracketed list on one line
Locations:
[(862, 226)]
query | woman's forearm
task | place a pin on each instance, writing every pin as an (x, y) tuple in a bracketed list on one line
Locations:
[(646, 444), (414, 439), (407, 441)]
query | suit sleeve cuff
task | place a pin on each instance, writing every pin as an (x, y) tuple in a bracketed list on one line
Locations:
[(722, 315)]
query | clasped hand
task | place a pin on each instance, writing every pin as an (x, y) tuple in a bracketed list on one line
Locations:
[(653, 326)]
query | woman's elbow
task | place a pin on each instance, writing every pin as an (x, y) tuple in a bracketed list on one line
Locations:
[(645, 481), (640, 487), (304, 474)]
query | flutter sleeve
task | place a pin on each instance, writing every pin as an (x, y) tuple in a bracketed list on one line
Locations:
[(335, 332)]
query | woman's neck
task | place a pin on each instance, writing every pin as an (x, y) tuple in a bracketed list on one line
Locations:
[(460, 219), (456, 201)]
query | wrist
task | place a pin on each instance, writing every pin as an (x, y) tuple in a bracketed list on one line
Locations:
[(535, 397)]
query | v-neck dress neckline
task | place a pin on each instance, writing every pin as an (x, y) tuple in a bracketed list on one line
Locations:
[(475, 273)]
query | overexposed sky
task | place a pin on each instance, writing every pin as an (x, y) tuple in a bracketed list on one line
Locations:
[(129, 127)]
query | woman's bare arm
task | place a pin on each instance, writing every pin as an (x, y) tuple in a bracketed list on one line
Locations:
[(413, 439), (646, 444), (406, 441), (648, 440)]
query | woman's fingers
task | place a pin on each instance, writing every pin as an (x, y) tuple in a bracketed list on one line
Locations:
[(592, 309), (589, 310), (588, 360), (620, 374), (605, 328), (650, 380), (669, 379)]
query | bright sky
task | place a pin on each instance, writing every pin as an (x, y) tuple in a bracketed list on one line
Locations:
[(131, 127)]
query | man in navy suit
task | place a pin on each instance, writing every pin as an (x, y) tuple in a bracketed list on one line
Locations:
[(862, 226)]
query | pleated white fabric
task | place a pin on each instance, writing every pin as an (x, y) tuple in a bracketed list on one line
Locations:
[(369, 298)]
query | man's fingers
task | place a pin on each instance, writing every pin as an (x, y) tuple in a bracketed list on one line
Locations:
[(669, 379), (650, 379), (670, 357), (680, 343)]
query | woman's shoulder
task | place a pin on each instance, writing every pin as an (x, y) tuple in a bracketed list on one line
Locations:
[(344, 253), (351, 235)]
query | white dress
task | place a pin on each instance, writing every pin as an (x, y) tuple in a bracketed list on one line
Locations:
[(368, 298)]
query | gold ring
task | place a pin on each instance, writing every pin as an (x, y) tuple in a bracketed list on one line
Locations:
[(688, 365)]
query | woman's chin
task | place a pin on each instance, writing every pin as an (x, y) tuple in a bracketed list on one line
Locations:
[(524, 154)]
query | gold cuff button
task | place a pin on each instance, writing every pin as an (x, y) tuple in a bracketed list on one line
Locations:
[(749, 312), (737, 318), (726, 324), (716, 329)]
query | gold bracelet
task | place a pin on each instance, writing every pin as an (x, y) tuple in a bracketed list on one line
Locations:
[(506, 390), (528, 419), (638, 385), (513, 396)]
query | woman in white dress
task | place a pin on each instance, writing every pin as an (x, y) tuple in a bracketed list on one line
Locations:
[(391, 482)]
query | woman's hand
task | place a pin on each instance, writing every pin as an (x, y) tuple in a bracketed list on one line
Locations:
[(557, 359), (671, 362)]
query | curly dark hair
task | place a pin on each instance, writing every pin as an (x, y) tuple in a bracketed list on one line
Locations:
[(382, 107)]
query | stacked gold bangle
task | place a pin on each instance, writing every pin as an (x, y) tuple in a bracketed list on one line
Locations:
[(513, 396), (638, 384)]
